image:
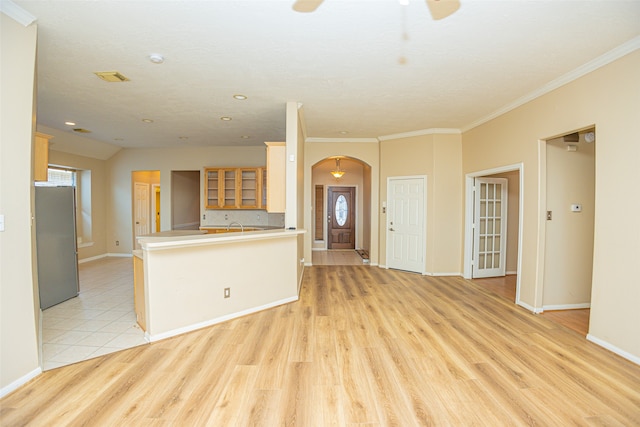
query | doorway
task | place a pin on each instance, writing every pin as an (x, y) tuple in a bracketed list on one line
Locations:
[(341, 218), (406, 223), (506, 280), (185, 200), (490, 227), (569, 224), (142, 203)]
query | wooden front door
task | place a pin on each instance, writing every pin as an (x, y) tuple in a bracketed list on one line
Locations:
[(341, 229)]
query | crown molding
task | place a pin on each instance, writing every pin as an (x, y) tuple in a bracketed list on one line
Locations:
[(601, 61), (432, 131), (360, 140), (17, 13)]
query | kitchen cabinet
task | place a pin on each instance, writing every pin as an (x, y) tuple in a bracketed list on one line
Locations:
[(41, 157), (275, 176), (233, 188)]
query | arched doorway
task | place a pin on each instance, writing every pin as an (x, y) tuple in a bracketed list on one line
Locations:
[(341, 205)]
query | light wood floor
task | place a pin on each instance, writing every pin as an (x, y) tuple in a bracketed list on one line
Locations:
[(363, 346), (336, 257), (576, 320)]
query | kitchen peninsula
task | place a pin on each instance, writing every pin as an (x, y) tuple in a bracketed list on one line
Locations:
[(196, 280)]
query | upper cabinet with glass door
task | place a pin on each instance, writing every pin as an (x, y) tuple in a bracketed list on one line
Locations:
[(233, 188)]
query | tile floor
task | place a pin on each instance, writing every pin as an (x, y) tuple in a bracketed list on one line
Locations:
[(99, 321)]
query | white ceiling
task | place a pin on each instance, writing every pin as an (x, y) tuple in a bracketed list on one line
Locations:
[(343, 63)]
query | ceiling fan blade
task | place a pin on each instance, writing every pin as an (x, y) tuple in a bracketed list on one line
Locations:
[(306, 5), (440, 9)]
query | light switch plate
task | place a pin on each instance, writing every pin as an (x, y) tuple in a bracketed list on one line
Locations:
[(1, 222)]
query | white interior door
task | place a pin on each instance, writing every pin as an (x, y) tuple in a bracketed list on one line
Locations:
[(406, 224), (490, 227), (141, 209)]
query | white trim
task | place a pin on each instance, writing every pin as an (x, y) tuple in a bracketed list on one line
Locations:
[(422, 132), (200, 325), (20, 381), (17, 13), (325, 140), (452, 274), (511, 273), (584, 69), (528, 307), (631, 357), (566, 306)]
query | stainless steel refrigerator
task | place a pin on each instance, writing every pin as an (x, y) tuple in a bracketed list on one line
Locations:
[(56, 245)]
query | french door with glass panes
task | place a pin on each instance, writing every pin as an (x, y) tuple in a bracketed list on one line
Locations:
[(489, 227)]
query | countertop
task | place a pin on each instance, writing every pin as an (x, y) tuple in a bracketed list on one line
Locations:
[(157, 241)]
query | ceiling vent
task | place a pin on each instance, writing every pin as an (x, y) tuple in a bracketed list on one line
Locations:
[(111, 76), (80, 130)]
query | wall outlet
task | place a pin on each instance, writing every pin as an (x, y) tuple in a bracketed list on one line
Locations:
[(117, 242), (227, 292)]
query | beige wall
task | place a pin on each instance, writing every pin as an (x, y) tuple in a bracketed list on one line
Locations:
[(368, 153), (164, 160), (569, 235), (99, 188), (438, 157), (609, 99), (18, 314)]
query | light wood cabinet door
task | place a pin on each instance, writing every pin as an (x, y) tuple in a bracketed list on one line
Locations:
[(276, 178)]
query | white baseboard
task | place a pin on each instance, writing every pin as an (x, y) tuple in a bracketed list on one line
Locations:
[(566, 306), (529, 307), (196, 326), (442, 274), (631, 357), (20, 382), (511, 273)]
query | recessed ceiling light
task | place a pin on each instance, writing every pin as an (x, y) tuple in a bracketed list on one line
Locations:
[(147, 120), (240, 97), (70, 123), (156, 58), (225, 119), (344, 132)]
